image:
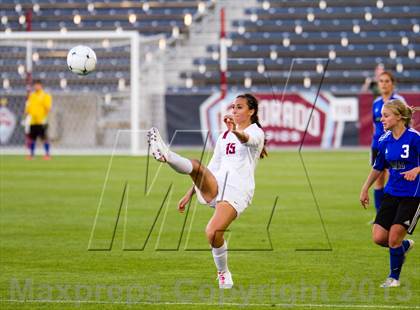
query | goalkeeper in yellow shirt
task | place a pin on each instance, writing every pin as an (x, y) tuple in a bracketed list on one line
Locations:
[(37, 109)]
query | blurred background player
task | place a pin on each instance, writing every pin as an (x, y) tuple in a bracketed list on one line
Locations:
[(398, 150), (371, 84), (228, 182), (386, 85), (37, 109)]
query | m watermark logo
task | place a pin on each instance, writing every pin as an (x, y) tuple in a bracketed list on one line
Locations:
[(139, 202), (144, 192)]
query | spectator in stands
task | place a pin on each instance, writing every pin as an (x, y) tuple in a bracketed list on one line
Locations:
[(371, 84), (398, 150), (386, 84), (37, 109)]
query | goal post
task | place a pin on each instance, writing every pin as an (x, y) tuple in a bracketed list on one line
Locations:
[(124, 96)]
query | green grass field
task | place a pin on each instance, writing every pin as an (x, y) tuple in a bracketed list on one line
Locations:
[(59, 249)]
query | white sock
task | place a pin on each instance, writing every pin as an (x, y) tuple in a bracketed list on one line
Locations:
[(220, 257), (179, 164)]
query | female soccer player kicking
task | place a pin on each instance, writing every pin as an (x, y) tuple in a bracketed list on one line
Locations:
[(398, 150), (227, 184)]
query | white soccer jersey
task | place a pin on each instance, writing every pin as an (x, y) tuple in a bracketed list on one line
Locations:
[(233, 163)]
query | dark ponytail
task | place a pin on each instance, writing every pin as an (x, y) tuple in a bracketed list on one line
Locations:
[(253, 105)]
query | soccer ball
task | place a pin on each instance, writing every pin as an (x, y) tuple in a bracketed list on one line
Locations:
[(81, 60)]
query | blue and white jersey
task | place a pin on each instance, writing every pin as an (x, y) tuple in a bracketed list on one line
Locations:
[(376, 117), (399, 155)]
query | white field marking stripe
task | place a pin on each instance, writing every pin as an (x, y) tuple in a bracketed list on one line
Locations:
[(415, 219), (210, 304)]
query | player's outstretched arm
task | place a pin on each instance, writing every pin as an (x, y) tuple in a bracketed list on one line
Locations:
[(411, 175), (185, 199), (364, 194), (231, 126)]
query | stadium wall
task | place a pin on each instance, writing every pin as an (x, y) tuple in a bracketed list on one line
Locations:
[(334, 121)]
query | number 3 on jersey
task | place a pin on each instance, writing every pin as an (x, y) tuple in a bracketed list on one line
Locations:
[(406, 148), (230, 148)]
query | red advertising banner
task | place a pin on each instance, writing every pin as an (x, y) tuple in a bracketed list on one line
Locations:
[(289, 119), (285, 122), (365, 114)]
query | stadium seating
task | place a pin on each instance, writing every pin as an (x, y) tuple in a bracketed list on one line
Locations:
[(348, 37), (147, 17), (354, 36)]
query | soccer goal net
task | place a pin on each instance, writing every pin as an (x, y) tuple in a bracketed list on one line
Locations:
[(111, 106)]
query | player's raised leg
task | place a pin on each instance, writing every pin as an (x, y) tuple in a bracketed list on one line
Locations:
[(201, 176)]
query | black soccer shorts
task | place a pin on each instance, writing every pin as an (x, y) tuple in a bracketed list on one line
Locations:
[(38, 131), (399, 210)]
